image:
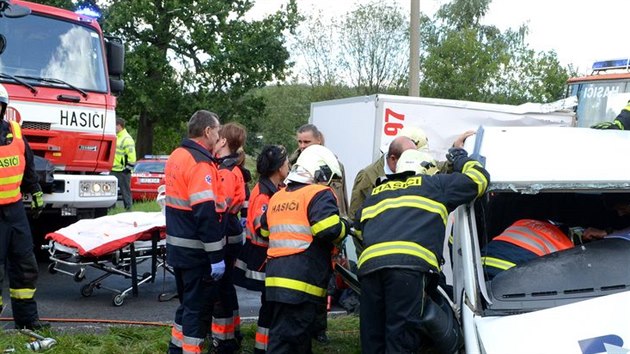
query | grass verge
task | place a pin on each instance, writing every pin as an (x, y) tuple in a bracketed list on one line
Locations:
[(343, 332)]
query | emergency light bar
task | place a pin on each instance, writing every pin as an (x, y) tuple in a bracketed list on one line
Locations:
[(611, 64), (88, 12), (156, 157)]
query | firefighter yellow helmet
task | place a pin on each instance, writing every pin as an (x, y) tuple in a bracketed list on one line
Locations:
[(316, 164), (416, 134)]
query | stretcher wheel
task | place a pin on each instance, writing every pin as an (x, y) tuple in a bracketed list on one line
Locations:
[(79, 275), (87, 290), (51, 268), (118, 300)]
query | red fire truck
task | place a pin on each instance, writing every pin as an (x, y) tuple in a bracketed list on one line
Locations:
[(602, 94), (62, 73)]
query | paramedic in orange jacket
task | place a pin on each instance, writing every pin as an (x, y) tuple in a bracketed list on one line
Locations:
[(194, 237), (304, 225), (523, 241), (17, 174), (273, 167), (226, 321)]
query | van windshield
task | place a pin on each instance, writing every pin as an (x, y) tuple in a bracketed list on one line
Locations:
[(586, 270), (46, 47), (599, 101)]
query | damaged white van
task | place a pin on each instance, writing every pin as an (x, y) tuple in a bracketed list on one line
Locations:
[(572, 301)]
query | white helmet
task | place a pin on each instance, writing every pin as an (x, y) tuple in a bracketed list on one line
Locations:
[(4, 95), (4, 101), (316, 164), (420, 162)]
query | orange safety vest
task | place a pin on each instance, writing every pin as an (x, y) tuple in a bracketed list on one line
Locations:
[(539, 237), (287, 217), (12, 165), (256, 209)]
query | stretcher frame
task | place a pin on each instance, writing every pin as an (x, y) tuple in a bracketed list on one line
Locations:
[(123, 262)]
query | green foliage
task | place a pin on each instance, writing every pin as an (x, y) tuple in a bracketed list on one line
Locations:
[(366, 49), (287, 107), (468, 61), (374, 40), (183, 56), (64, 4)]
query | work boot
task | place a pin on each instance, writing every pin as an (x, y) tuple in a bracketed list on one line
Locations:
[(36, 325), (322, 337)]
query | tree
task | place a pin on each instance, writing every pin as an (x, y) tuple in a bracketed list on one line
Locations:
[(466, 60), (374, 41), (184, 56), (365, 49), (316, 44)]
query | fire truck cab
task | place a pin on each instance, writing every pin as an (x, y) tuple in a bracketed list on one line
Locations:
[(62, 73), (602, 94)]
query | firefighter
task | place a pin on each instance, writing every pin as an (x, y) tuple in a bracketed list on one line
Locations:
[(523, 241), (124, 161), (303, 224), (194, 237), (367, 177), (621, 122), (226, 321), (273, 167), (17, 173), (307, 135), (402, 224)]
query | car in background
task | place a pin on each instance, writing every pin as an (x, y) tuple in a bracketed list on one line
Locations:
[(147, 176)]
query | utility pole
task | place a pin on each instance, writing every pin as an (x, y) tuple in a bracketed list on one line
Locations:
[(414, 49)]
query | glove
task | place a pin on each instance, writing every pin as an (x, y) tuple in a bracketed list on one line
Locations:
[(37, 204), (606, 125), (244, 222), (455, 154), (217, 270)]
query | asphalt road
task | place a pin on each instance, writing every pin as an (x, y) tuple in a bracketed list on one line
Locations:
[(59, 297)]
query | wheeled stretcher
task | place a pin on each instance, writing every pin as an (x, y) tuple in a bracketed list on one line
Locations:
[(113, 244)]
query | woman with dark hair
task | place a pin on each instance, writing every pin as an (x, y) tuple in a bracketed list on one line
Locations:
[(273, 167)]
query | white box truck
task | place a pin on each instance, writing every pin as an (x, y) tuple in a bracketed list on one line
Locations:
[(356, 129), (572, 301)]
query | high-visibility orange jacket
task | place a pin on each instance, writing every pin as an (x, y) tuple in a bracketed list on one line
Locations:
[(250, 266), (536, 236), (521, 242), (194, 235), (233, 193), (303, 224)]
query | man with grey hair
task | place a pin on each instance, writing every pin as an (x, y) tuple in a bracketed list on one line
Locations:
[(194, 238)]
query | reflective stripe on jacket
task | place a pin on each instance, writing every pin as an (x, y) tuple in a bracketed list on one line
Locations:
[(289, 229), (403, 220), (536, 236), (12, 165), (304, 224), (257, 207), (193, 233), (125, 151)]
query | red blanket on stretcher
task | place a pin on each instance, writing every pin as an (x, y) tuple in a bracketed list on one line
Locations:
[(104, 235)]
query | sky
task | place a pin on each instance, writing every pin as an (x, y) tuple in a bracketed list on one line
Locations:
[(580, 32)]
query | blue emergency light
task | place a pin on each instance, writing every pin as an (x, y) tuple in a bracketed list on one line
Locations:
[(88, 11), (612, 64)]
